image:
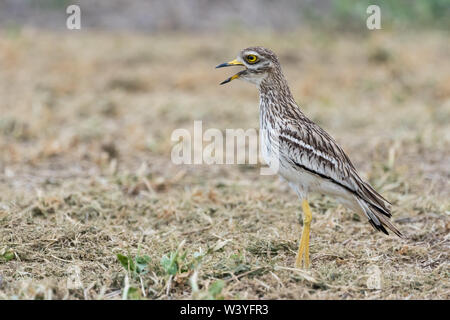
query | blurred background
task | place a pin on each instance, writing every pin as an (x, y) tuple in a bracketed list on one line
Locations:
[(86, 118), (214, 15)]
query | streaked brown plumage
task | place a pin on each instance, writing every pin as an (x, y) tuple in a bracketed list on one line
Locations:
[(301, 151)]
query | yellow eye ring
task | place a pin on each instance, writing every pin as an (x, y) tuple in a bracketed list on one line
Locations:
[(251, 58)]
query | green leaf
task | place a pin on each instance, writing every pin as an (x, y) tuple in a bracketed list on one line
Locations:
[(134, 294), (216, 288), (142, 264), (7, 256), (126, 262), (170, 265)]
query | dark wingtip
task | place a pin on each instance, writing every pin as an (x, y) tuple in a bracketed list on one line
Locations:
[(378, 227), (383, 229), (399, 234)]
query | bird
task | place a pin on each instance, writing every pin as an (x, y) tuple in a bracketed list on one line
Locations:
[(302, 153)]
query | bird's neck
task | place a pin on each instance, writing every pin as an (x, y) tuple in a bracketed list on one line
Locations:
[(275, 82), (274, 96)]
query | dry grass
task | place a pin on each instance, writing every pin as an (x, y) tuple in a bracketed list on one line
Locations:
[(85, 172)]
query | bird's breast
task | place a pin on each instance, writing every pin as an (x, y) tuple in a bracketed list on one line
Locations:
[(269, 136)]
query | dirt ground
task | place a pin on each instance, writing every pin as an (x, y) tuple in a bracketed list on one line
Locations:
[(91, 207)]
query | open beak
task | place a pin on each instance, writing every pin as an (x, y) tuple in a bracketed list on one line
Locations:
[(230, 64)]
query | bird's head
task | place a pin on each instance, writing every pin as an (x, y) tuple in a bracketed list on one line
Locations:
[(259, 63)]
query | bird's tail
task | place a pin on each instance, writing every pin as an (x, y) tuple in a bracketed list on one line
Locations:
[(378, 217)]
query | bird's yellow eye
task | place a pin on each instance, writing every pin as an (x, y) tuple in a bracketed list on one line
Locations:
[(251, 58)]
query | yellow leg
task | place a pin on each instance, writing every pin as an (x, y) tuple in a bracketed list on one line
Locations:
[(303, 249)]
